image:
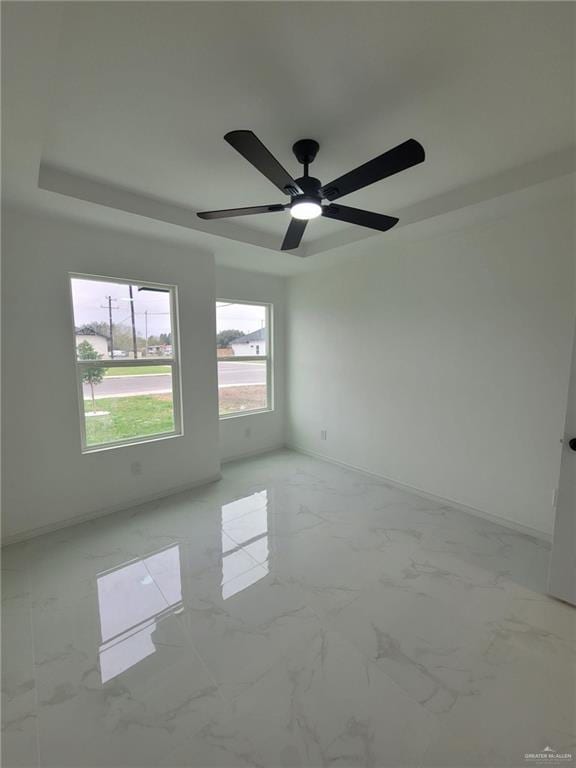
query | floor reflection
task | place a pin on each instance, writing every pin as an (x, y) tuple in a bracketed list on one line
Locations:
[(245, 550), (132, 599)]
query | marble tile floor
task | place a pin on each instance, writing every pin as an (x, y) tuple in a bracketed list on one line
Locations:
[(292, 614)]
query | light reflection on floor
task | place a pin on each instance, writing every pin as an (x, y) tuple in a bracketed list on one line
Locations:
[(131, 600), (136, 596), (245, 551)]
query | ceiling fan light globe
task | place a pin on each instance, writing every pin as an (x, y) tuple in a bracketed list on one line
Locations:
[(305, 210)]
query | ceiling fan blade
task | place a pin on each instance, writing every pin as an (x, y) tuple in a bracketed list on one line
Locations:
[(360, 217), (294, 234), (403, 156), (229, 212), (250, 147)]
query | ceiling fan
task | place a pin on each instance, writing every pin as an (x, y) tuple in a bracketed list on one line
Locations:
[(307, 193)]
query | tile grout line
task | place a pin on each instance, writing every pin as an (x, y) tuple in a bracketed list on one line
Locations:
[(33, 653)]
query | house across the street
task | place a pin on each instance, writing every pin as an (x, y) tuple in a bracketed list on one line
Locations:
[(97, 340), (252, 344)]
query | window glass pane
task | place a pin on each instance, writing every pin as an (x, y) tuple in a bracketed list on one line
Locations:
[(120, 321), (241, 329), (121, 405), (242, 386)]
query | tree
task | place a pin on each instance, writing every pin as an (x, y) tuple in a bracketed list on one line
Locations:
[(89, 329), (90, 374), (224, 338)]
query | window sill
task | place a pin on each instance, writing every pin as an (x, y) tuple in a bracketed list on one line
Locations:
[(129, 443), (241, 414)]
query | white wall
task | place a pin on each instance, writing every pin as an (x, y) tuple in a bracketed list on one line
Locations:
[(455, 374), (454, 378), (252, 433), (46, 478)]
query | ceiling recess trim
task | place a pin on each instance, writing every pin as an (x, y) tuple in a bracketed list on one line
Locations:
[(63, 182)]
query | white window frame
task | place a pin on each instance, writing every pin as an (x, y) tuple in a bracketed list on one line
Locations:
[(268, 358), (174, 362)]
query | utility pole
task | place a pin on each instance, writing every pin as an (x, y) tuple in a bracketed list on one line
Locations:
[(111, 327), (146, 329), (134, 347), (110, 300)]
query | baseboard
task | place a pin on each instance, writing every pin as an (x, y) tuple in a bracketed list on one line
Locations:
[(17, 538), (249, 454), (525, 529)]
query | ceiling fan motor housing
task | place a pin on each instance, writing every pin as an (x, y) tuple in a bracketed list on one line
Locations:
[(310, 185)]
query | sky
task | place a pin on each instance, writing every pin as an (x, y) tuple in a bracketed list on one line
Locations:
[(241, 317), (90, 300)]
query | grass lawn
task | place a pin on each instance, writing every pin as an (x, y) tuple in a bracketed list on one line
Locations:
[(238, 399), (135, 370), (128, 418)]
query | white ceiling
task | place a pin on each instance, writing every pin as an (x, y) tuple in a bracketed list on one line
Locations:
[(137, 97)]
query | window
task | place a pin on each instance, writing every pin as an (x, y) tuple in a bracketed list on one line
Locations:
[(126, 351), (244, 340)]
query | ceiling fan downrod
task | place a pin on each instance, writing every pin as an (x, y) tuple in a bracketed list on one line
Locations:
[(305, 151)]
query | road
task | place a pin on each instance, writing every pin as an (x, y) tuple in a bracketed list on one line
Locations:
[(229, 375)]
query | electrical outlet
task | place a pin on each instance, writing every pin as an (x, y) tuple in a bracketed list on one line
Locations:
[(323, 434), (136, 467)]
